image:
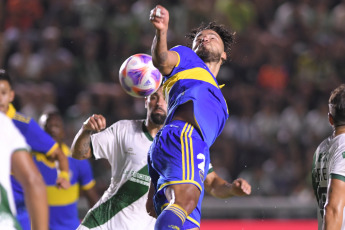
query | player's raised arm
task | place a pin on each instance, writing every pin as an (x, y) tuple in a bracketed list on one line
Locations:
[(219, 188), (162, 58), (81, 148)]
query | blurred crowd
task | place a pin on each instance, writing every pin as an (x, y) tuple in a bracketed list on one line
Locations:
[(65, 55)]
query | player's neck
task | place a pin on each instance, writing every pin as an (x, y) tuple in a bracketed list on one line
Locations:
[(213, 67), (340, 129), (152, 128)]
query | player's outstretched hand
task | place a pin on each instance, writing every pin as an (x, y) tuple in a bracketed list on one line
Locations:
[(95, 123), (159, 17), (241, 187)]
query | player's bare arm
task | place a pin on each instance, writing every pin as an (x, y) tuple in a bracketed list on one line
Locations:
[(149, 203), (162, 58), (25, 171), (63, 177), (219, 188), (81, 144), (335, 203)]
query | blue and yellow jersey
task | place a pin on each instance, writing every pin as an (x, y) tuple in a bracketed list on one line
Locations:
[(63, 202), (39, 141), (191, 80)]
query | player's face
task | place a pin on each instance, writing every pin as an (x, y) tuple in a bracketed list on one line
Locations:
[(156, 107), (54, 127), (209, 46), (6, 95)]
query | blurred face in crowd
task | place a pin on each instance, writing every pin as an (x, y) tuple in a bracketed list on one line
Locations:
[(156, 107), (6, 95), (53, 125)]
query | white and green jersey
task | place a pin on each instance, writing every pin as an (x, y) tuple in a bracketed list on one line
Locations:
[(10, 141), (125, 145), (328, 163)]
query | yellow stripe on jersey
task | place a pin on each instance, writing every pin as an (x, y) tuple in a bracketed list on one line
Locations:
[(89, 185), (187, 151), (42, 158), (191, 152), (60, 197), (197, 73), (180, 182), (194, 221), (55, 146), (178, 59), (182, 150)]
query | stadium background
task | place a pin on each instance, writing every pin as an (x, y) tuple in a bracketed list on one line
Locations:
[(65, 55)]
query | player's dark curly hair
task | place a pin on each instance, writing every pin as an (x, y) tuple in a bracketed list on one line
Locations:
[(227, 37), (336, 103)]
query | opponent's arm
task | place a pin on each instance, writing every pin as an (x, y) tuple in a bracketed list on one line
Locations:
[(63, 180), (162, 58), (219, 188), (25, 171), (149, 203), (81, 146), (335, 203)]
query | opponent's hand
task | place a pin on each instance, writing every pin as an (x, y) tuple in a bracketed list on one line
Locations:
[(95, 123), (150, 209), (241, 187), (159, 17)]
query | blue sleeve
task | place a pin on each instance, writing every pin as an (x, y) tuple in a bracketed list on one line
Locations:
[(188, 59), (85, 174), (36, 137)]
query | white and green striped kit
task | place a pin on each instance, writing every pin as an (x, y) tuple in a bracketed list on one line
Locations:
[(122, 207), (328, 163)]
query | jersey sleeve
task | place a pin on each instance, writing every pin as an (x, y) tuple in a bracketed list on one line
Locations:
[(103, 143), (39, 140), (86, 179), (14, 138), (337, 165), (186, 59)]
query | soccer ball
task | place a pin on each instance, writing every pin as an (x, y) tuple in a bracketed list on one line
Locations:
[(138, 76)]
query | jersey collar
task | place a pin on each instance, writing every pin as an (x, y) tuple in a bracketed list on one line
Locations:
[(146, 132), (11, 111)]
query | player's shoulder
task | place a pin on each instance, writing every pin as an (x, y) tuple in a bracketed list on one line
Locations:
[(22, 118), (122, 125), (181, 49)]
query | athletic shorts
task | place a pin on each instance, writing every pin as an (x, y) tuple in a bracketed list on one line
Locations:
[(178, 155)]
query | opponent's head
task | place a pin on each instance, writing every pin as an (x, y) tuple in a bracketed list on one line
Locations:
[(6, 91), (52, 123), (211, 42), (156, 107), (336, 104)]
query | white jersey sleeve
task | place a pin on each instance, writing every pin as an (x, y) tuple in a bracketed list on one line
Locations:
[(337, 162)]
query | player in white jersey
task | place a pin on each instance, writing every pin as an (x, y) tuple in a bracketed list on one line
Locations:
[(125, 145), (14, 156), (328, 172)]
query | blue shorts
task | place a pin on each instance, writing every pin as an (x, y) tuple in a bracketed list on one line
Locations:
[(178, 155)]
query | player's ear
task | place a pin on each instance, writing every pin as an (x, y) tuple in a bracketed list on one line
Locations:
[(12, 94), (223, 57), (330, 119)]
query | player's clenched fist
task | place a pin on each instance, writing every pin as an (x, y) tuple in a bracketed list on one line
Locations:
[(159, 17), (95, 123)]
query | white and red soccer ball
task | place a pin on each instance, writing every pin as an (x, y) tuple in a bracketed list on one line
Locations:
[(138, 77)]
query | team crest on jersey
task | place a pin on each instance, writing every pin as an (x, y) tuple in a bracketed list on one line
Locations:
[(202, 175)]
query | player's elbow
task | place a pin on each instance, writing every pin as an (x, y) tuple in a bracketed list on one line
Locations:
[(332, 212)]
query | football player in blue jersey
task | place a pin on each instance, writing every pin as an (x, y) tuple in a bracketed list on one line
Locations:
[(37, 139), (63, 204), (179, 157)]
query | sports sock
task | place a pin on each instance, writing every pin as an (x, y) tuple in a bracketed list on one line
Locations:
[(172, 218)]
